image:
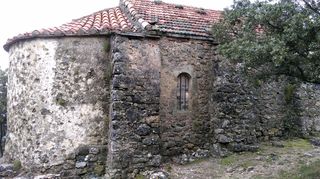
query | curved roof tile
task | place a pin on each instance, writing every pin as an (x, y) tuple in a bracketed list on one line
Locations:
[(133, 16)]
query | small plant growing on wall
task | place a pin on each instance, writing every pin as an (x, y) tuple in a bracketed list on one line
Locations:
[(292, 121), (60, 101), (289, 91)]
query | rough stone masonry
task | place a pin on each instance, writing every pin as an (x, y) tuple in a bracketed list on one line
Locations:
[(81, 109), (108, 102)]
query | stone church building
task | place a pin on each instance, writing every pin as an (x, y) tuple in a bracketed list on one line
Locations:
[(128, 88)]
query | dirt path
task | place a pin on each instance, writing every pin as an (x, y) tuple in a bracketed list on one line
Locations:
[(268, 162)]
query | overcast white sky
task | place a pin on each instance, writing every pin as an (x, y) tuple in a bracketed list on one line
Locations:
[(19, 16)]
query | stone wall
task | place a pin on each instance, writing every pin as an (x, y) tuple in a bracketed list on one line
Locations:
[(146, 127), (60, 120), (246, 110), (134, 140), (58, 105), (185, 134), (309, 99)]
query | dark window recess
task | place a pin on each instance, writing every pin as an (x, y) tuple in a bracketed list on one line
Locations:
[(183, 91)]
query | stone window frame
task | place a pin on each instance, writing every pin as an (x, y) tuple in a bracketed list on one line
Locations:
[(183, 91)]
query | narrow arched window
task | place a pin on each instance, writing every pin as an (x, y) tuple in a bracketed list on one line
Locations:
[(183, 91)]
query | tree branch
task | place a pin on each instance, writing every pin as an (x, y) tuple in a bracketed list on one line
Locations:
[(316, 10)]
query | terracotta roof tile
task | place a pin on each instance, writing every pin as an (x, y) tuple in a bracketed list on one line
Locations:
[(103, 21), (133, 16), (177, 18)]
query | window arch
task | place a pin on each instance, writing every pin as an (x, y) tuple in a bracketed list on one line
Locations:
[(183, 91)]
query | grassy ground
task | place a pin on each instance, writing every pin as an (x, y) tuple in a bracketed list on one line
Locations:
[(296, 159), (310, 171)]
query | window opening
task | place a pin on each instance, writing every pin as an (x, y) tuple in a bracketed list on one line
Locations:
[(183, 91)]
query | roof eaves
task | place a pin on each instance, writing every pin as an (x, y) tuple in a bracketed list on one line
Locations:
[(34, 35)]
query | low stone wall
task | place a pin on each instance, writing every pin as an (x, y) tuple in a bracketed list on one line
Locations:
[(246, 110), (309, 99)]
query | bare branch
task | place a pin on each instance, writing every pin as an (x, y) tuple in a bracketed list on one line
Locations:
[(316, 10)]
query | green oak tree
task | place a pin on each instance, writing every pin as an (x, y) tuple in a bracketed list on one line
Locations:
[(278, 37)]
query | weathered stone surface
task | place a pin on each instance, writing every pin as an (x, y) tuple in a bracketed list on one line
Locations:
[(7, 170), (217, 150), (81, 164), (183, 130), (57, 100), (224, 139), (134, 131), (238, 147), (4, 167), (76, 109), (48, 176), (159, 175), (250, 110), (143, 130), (315, 141), (277, 144), (307, 95)]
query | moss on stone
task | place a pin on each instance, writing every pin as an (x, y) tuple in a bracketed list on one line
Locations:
[(108, 73), (73, 59), (17, 165), (82, 171), (106, 122), (76, 71), (196, 125), (106, 45), (61, 102), (257, 82), (99, 170), (139, 176), (168, 168), (273, 131)]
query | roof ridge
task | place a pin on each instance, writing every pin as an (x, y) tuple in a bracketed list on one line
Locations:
[(131, 10), (189, 6)]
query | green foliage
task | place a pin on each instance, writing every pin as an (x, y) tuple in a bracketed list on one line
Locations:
[(289, 91), (247, 164), (298, 144), (17, 165), (278, 37), (229, 160), (292, 123)]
